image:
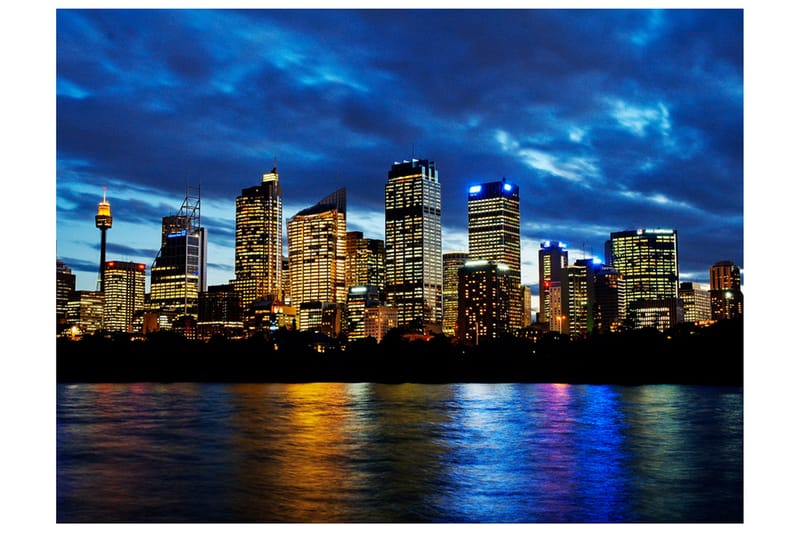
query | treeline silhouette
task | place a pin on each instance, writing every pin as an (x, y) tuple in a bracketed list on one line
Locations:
[(687, 354)]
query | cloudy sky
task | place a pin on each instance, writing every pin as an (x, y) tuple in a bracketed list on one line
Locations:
[(608, 120)]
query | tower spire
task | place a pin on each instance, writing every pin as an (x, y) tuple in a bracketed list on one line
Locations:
[(103, 222)]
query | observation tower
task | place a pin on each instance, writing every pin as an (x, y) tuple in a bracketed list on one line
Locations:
[(103, 222)]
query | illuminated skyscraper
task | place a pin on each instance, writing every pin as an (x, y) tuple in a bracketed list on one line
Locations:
[(696, 302), (553, 259), (359, 299), (578, 316), (259, 241), (493, 227), (452, 262), (85, 312), (727, 300), (65, 286), (178, 273), (366, 262), (413, 200), (317, 259), (485, 289), (124, 295), (647, 259), (103, 222)]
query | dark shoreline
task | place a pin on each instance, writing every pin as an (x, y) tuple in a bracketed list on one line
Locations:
[(687, 356)]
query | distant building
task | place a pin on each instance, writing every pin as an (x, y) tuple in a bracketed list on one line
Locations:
[(660, 314), (413, 202), (452, 262), (647, 260), (85, 312), (696, 302), (124, 295), (220, 313), (578, 313), (103, 221), (317, 260), (366, 262), (494, 233), (727, 300), (553, 261), (378, 321), (259, 241), (558, 313), (485, 290), (359, 299), (65, 286), (605, 297)]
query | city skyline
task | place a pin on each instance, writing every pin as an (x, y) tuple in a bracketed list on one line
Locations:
[(638, 126)]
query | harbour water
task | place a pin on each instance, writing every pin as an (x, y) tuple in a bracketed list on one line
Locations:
[(356, 453)]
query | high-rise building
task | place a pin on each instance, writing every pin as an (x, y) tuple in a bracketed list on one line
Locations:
[(219, 313), (85, 312), (178, 273), (485, 289), (727, 300), (647, 259), (696, 302), (494, 235), (379, 320), (103, 222), (578, 302), (452, 262), (317, 259), (366, 262), (65, 286), (259, 241), (605, 299), (557, 314), (413, 200), (553, 257), (359, 299), (124, 295)]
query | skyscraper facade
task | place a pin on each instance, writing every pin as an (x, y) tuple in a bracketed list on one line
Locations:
[(65, 286), (317, 259), (727, 300), (413, 202), (359, 299), (452, 262), (366, 262), (493, 226), (485, 289), (124, 295), (647, 259), (553, 257), (578, 316), (696, 302), (259, 240), (178, 273)]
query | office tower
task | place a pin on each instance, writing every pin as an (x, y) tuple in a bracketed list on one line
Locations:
[(605, 299), (366, 262), (696, 302), (727, 300), (85, 312), (379, 320), (286, 281), (65, 286), (553, 257), (103, 222), (178, 273), (317, 259), (493, 227), (124, 295), (557, 314), (219, 313), (452, 262), (485, 289), (659, 313), (413, 200), (359, 299), (647, 259), (578, 304), (259, 240), (525, 292)]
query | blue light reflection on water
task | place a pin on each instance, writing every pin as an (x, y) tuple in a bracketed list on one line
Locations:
[(398, 453)]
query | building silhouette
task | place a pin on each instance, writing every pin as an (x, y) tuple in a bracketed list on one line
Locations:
[(123, 295), (493, 227), (647, 260), (413, 224), (103, 221), (259, 241), (485, 289), (725, 282), (452, 262), (317, 263), (553, 261), (178, 274)]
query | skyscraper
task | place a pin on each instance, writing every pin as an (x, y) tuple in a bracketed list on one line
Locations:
[(553, 259), (727, 300), (647, 259), (366, 262), (178, 273), (452, 262), (317, 259), (413, 200), (124, 295), (485, 289), (578, 316), (696, 302), (259, 240), (493, 227), (103, 222), (65, 286)]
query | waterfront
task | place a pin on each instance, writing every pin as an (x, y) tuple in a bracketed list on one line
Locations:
[(335, 452)]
